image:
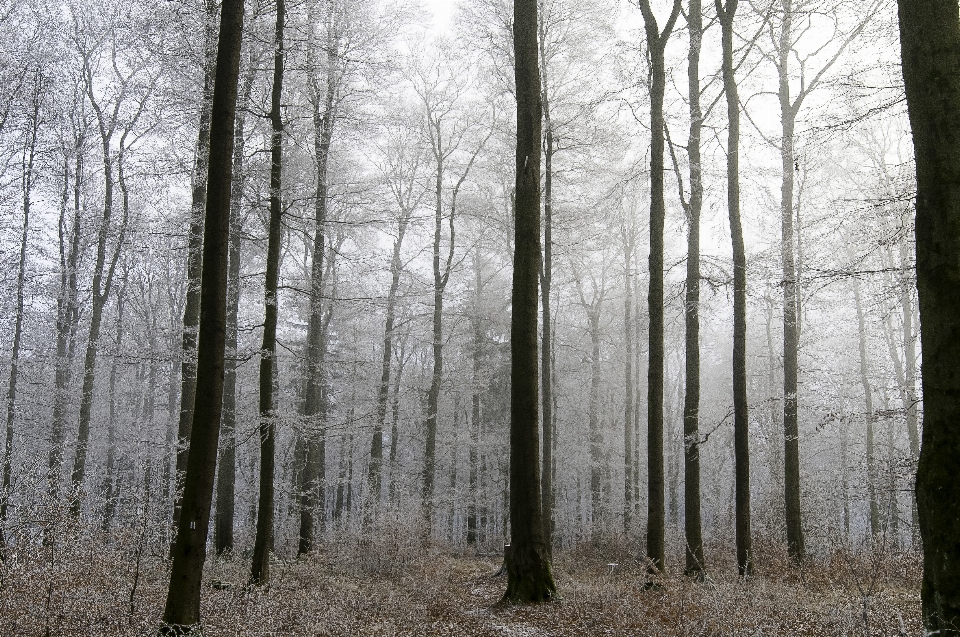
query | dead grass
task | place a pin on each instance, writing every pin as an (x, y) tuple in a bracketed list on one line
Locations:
[(77, 585)]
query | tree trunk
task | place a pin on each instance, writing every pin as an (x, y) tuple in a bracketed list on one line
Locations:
[(260, 571), (110, 490), (741, 422), (930, 44), (375, 475), (182, 609), (529, 574), (29, 154), (546, 281), (68, 316), (102, 283), (312, 487), (695, 564), (791, 344), (629, 243), (869, 416), (227, 460), (656, 42), (191, 308)]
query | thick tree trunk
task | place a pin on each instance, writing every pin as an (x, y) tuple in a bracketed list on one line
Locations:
[(529, 574), (930, 44), (260, 571), (191, 308), (741, 424), (695, 564), (182, 609), (656, 523)]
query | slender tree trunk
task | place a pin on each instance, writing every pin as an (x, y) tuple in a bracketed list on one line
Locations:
[(227, 458), (68, 317), (930, 45), (260, 572), (312, 483), (596, 435), (102, 282), (375, 475), (395, 434), (741, 424), (791, 343), (28, 156), (529, 574), (182, 609), (656, 42), (110, 491), (191, 308), (693, 531), (870, 416), (629, 243), (546, 281)]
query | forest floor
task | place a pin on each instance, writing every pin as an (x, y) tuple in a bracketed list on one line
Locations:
[(84, 588)]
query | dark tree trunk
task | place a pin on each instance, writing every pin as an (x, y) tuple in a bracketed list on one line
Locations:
[(191, 308), (930, 44), (791, 343), (227, 460), (260, 571), (656, 42), (546, 281), (182, 609), (741, 421), (529, 574), (695, 564)]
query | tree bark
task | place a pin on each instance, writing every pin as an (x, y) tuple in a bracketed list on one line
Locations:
[(741, 421), (227, 458), (191, 308), (930, 46), (695, 564), (656, 523), (182, 609), (263, 544), (529, 574)]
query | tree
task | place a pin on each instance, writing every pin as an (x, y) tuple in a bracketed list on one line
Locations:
[(28, 158), (656, 43), (529, 573), (930, 49), (693, 531), (114, 113), (741, 420), (784, 41), (182, 610), (260, 573), (227, 458), (191, 307)]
